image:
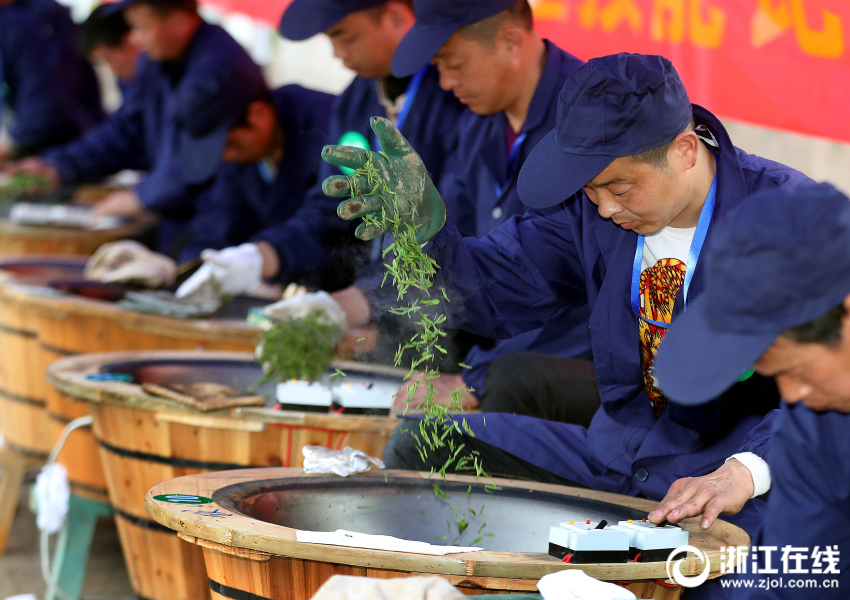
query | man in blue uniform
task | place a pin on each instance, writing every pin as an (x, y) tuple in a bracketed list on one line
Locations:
[(631, 171), (777, 294), (493, 61), (186, 62), (51, 89), (364, 34), (269, 165), (105, 37)]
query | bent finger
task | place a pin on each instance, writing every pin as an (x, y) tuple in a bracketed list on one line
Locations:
[(681, 491), (359, 206), (345, 156), (710, 513), (366, 231), (692, 508), (341, 186)]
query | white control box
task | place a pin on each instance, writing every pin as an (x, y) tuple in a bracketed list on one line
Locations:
[(350, 394), (585, 536), (305, 393), (644, 535)]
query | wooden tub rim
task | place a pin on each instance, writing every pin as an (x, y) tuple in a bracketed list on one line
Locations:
[(203, 330), (276, 540), (136, 225), (68, 375)]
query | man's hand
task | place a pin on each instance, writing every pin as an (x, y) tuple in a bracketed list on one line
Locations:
[(353, 301), (229, 272), (444, 385), (119, 204), (36, 166), (127, 261), (723, 492), (412, 196)]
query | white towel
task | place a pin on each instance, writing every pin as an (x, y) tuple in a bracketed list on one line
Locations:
[(575, 584), (343, 587), (352, 539)]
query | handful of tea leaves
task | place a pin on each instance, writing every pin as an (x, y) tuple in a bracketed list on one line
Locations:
[(297, 348), (22, 184), (411, 269)]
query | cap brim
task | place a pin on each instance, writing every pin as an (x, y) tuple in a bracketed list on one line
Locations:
[(117, 7), (549, 175), (302, 20), (695, 363), (418, 47), (200, 158)]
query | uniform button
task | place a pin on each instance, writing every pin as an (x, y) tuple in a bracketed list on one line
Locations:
[(641, 474), (497, 212)]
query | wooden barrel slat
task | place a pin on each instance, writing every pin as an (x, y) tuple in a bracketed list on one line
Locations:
[(160, 563)]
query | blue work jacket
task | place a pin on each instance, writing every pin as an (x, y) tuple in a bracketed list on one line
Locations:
[(540, 267), (483, 194), (50, 87), (144, 132), (808, 507), (245, 198), (312, 238)]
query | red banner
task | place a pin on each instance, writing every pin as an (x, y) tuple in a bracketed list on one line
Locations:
[(778, 63)]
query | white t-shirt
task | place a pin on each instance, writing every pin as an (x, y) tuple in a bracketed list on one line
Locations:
[(665, 256)]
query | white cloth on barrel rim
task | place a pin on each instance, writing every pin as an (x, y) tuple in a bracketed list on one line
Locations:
[(345, 462), (352, 539)]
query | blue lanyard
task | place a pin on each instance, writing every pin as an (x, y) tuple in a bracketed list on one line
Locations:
[(513, 156), (693, 255), (412, 90), (265, 172)]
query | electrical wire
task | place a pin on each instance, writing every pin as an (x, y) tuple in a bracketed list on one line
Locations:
[(44, 537)]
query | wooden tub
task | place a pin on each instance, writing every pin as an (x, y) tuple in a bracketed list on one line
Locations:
[(23, 409), (75, 324), (144, 440), (248, 531)]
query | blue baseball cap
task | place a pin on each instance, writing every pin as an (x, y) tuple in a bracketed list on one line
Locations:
[(436, 22), (114, 7), (613, 106), (305, 18), (778, 261), (208, 108)]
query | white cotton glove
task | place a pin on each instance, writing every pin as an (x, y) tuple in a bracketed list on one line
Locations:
[(127, 261), (303, 305), (575, 584), (52, 493), (230, 272), (345, 462)]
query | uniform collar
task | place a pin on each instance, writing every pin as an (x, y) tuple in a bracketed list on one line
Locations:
[(175, 69), (547, 88)]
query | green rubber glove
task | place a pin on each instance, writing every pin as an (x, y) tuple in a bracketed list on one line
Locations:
[(412, 197)]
